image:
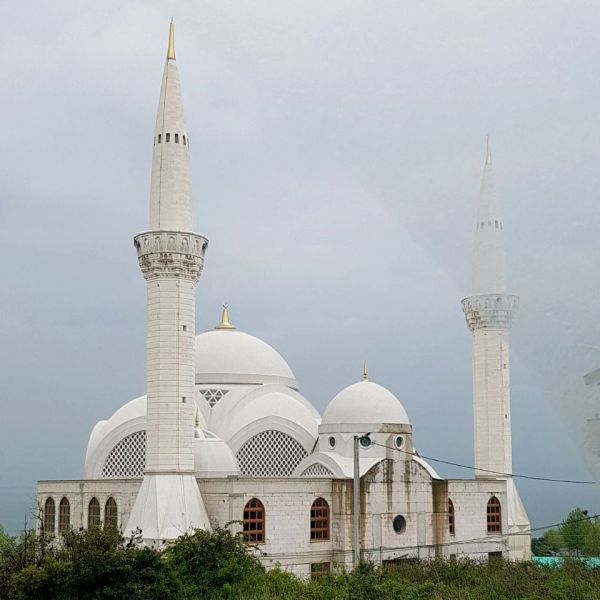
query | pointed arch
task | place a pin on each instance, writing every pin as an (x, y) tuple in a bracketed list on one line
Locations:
[(49, 523), (93, 513), (451, 518), (111, 513), (254, 522), (494, 515), (64, 516), (319, 520)]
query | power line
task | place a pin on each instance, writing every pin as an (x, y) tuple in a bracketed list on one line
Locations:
[(471, 467)]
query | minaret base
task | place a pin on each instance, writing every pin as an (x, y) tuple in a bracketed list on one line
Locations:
[(519, 527), (167, 506)]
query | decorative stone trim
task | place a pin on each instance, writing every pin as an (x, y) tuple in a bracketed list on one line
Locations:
[(170, 254), (490, 311)]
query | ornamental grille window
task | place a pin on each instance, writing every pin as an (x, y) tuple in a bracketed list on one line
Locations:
[(127, 458), (494, 516), (316, 470), (451, 517), (64, 516), (49, 515), (93, 513), (254, 522), (110, 513), (319, 520), (270, 453), (212, 396)]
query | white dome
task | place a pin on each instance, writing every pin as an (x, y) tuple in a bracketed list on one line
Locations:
[(212, 456), (365, 402), (225, 356)]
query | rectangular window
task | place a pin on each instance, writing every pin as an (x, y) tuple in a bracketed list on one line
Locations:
[(177, 138), (494, 556), (184, 140), (167, 137), (319, 569), (159, 138)]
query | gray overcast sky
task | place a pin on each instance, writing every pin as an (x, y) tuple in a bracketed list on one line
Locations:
[(337, 149)]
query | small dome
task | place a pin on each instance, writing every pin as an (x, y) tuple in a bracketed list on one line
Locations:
[(212, 456), (365, 402), (225, 355)]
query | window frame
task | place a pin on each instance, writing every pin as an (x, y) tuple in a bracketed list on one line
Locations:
[(451, 517), (94, 516), (64, 515), (320, 520), (110, 507), (258, 534), (494, 516), (49, 503)]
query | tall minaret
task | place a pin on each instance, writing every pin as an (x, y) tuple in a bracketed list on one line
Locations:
[(171, 258), (489, 313)]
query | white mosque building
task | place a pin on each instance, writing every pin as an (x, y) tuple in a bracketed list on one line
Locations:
[(224, 435)]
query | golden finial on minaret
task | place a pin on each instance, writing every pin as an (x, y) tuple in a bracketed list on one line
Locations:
[(365, 372), (197, 419), (225, 324), (171, 50)]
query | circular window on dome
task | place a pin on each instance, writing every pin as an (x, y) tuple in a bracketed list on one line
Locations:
[(399, 524), (332, 442), (365, 441), (399, 442)]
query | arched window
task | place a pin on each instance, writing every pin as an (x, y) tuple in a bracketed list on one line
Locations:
[(111, 513), (494, 516), (254, 522), (64, 516), (93, 513), (49, 516), (319, 520), (451, 517)]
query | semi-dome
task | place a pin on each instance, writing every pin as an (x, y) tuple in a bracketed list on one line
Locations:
[(212, 456), (365, 402), (225, 355)]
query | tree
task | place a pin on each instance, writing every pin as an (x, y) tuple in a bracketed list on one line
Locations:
[(575, 528), (591, 542), (554, 541)]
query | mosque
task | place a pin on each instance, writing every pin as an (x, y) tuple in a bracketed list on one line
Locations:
[(224, 434)]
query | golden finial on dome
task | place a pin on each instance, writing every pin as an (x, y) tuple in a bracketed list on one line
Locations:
[(225, 324), (365, 372), (171, 50), (197, 419)]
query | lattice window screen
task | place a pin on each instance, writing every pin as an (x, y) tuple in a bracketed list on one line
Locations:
[(127, 458), (270, 453), (316, 470), (212, 396)]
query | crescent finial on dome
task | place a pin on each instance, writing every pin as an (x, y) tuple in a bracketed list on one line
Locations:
[(225, 324)]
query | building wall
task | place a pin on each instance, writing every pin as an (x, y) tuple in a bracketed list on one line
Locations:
[(391, 488)]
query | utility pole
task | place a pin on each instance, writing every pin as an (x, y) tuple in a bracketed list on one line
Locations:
[(356, 502)]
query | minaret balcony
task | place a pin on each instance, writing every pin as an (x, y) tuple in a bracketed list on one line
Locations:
[(170, 253), (490, 311)]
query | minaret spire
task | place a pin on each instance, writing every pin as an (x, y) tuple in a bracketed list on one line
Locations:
[(170, 187), (171, 258), (488, 258)]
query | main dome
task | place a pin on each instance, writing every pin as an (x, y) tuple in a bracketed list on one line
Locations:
[(226, 355), (365, 402)]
